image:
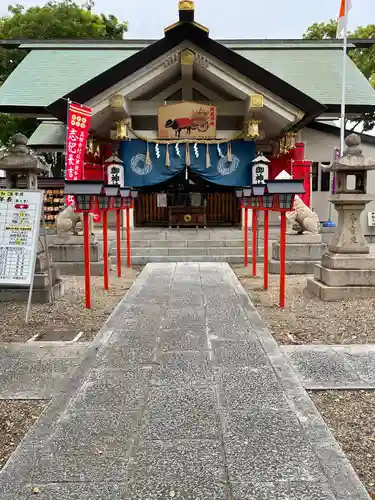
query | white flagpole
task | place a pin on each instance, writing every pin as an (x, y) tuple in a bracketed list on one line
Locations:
[(343, 91)]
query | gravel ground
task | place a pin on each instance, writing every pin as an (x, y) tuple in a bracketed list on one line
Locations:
[(68, 317), (306, 319), (350, 416), (16, 417)]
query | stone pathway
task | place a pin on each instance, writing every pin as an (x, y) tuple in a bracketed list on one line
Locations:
[(36, 370), (322, 367), (183, 394)]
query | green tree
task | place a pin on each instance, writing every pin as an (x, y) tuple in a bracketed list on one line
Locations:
[(57, 19), (364, 58)]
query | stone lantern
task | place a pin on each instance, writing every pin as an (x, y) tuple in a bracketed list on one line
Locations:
[(19, 162), (347, 269)]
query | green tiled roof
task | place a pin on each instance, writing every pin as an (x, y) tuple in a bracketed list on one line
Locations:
[(46, 75), (316, 72), (49, 133)]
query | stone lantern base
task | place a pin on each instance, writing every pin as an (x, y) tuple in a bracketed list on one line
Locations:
[(68, 253), (303, 252), (343, 276)]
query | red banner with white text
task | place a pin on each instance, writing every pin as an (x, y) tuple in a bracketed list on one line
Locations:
[(79, 118)]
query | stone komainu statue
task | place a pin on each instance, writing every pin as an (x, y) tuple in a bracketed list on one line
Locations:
[(302, 219), (68, 219)]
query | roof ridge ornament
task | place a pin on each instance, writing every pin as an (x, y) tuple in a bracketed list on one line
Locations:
[(186, 5), (186, 11)]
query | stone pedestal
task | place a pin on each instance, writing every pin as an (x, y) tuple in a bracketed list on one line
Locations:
[(41, 290), (348, 270), (303, 252), (68, 253), (341, 277)]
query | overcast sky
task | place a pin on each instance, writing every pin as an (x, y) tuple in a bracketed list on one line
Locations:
[(230, 18)]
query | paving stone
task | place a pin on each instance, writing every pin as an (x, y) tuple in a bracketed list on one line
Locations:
[(121, 357), (182, 368), (263, 445), (93, 432), (69, 466), (198, 463), (114, 389), (157, 489), (363, 362), (244, 387), (320, 369), (282, 490), (180, 413), (232, 353), (186, 318), (68, 491), (32, 385), (183, 339)]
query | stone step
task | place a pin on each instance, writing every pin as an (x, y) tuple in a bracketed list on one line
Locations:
[(180, 243), (40, 296), (177, 252), (232, 259), (41, 279)]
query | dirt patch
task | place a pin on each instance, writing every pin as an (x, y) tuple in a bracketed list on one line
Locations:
[(306, 319), (68, 318), (350, 417), (16, 418)]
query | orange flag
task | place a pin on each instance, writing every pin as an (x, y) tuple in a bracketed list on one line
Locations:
[(346, 5)]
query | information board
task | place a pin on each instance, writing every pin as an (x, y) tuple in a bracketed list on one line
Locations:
[(20, 213)]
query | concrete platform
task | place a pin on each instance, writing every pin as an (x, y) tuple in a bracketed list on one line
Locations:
[(183, 394)]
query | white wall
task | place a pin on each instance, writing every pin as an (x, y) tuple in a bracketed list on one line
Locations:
[(319, 147)]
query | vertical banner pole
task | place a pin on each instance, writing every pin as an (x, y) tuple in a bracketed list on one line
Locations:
[(265, 258), (246, 239), (86, 241), (282, 259), (118, 241), (128, 257), (255, 229), (105, 249)]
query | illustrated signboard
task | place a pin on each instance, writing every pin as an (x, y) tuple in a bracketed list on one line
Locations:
[(187, 120), (20, 213)]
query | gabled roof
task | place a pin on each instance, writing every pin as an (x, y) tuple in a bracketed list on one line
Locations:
[(304, 72), (173, 37), (93, 76)]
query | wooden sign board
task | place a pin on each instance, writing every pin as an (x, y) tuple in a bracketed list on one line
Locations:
[(20, 213), (187, 120)]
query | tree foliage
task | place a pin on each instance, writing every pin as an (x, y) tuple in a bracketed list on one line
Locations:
[(364, 58), (57, 19)]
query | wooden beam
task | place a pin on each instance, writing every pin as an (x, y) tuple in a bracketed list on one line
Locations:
[(187, 69), (164, 94), (150, 108), (210, 94)]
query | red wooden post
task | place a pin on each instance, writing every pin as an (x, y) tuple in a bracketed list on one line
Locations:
[(246, 239), (105, 249), (86, 242), (254, 242), (118, 241), (265, 261), (128, 256), (282, 259)]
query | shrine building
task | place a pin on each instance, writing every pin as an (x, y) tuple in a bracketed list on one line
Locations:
[(187, 115)]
